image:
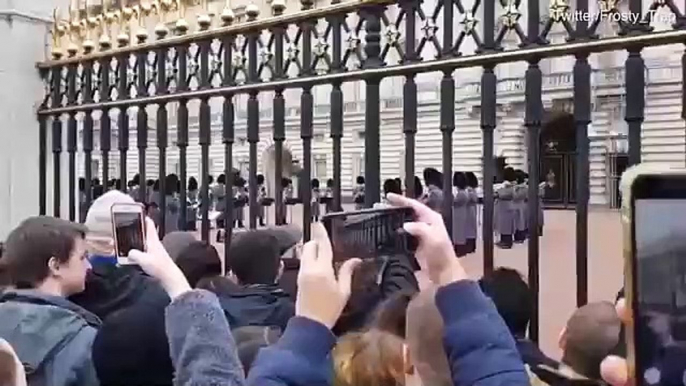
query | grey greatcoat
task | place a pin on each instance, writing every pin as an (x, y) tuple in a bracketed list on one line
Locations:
[(316, 209), (504, 213), (519, 206), (460, 217), (471, 223), (239, 194), (433, 198)]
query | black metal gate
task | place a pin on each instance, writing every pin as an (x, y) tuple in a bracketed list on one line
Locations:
[(92, 72)]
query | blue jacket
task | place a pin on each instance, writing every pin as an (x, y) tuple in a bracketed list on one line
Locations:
[(52, 337), (481, 350)]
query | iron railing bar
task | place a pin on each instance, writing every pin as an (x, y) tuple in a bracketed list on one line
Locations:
[(494, 58), (238, 29)]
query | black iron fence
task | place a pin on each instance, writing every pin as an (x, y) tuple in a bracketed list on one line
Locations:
[(100, 74)]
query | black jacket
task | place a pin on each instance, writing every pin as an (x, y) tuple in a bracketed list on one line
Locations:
[(255, 305)]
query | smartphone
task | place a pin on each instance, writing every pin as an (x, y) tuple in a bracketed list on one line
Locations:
[(654, 215), (370, 233), (128, 224)]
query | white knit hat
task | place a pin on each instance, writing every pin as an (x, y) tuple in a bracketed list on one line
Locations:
[(99, 217)]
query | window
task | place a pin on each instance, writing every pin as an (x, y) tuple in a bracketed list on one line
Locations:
[(320, 171)]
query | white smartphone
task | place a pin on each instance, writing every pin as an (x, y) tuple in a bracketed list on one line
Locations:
[(128, 225)]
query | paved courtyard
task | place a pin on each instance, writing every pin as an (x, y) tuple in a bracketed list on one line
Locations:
[(557, 265)]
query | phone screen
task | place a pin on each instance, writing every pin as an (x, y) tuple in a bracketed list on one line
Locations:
[(368, 234), (659, 284), (129, 232)]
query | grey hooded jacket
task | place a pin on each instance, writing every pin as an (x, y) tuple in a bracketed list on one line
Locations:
[(51, 336)]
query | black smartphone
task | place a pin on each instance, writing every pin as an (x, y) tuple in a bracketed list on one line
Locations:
[(128, 223), (656, 277), (370, 233)]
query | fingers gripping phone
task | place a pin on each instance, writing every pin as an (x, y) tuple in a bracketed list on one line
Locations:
[(369, 233), (654, 218), (128, 224)]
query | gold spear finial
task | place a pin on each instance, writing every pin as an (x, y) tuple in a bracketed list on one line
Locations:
[(125, 16), (106, 21), (227, 14), (182, 25), (58, 32), (162, 7), (74, 28), (204, 18), (142, 11), (90, 24)]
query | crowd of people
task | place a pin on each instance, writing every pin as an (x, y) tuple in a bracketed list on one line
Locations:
[(274, 313)]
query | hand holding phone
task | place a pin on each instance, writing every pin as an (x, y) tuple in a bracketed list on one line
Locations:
[(128, 224)]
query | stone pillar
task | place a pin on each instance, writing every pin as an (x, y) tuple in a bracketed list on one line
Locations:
[(24, 28)]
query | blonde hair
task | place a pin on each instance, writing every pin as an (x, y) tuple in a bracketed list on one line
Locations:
[(371, 358)]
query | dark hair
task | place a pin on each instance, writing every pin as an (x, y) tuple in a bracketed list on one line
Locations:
[(460, 180), (285, 182), (210, 179), (82, 184), (511, 296), (472, 181), (96, 181), (198, 261), (391, 314), (418, 188), (150, 183), (391, 186), (221, 179), (260, 179), (360, 180), (365, 296), (329, 183), (156, 186), (254, 258), (33, 243), (192, 184), (136, 179), (315, 183)]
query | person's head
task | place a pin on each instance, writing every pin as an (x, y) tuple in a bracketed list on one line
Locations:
[(136, 179), (176, 242), (199, 260), (390, 315), (47, 254), (221, 179), (590, 335), (11, 370), (150, 183), (360, 180), (254, 258), (329, 183), (315, 183), (260, 179), (365, 297), (96, 182), (99, 222), (520, 176), (432, 177), (156, 186), (391, 186), (373, 357), (284, 182), (98, 190), (171, 184), (460, 180), (82, 184), (192, 184), (418, 187), (424, 337), (399, 182), (210, 180), (511, 296), (472, 181)]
